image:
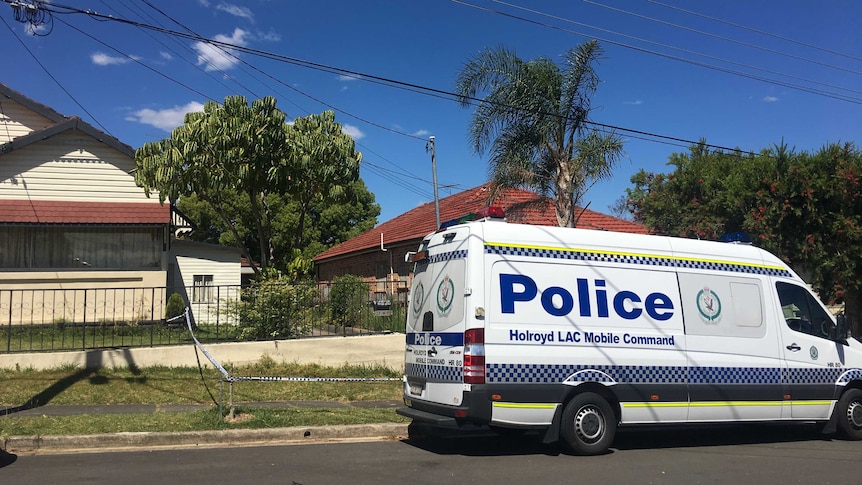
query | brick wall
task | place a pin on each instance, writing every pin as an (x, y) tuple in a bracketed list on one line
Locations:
[(372, 265)]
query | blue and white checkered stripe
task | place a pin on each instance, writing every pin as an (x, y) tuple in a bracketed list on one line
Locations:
[(735, 375), (448, 256), (633, 374), (636, 259), (850, 375), (546, 373), (441, 373)]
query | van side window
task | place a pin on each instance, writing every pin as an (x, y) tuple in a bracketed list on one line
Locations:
[(801, 310)]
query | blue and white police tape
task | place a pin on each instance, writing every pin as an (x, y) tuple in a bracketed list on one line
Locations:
[(226, 375)]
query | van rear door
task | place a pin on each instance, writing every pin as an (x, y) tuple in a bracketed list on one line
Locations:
[(436, 321)]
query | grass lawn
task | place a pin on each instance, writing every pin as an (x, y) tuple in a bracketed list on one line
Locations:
[(185, 385)]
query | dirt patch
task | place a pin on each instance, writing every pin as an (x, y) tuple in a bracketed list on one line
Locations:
[(239, 418)]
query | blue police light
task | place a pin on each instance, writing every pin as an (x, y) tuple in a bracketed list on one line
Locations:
[(738, 237)]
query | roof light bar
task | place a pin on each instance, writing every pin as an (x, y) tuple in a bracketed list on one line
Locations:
[(492, 212)]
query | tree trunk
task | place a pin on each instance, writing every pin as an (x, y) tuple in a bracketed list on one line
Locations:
[(564, 191)]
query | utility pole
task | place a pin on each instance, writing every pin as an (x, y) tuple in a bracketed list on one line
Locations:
[(430, 148)]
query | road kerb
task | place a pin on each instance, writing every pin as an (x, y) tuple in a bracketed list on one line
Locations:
[(233, 437)]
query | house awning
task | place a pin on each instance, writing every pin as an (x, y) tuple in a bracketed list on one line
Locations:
[(68, 212)]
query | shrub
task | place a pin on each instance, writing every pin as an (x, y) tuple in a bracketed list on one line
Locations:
[(175, 306), (273, 308), (348, 300)]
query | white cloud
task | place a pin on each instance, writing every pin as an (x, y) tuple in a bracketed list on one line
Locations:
[(165, 119), (271, 36), (770, 99), (634, 103), (347, 78), (353, 132), (204, 3), (102, 59), (166, 56), (421, 133), (236, 10), (216, 58)]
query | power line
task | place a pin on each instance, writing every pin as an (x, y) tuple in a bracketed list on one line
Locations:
[(750, 29), (57, 82), (138, 61), (433, 92), (667, 46), (293, 88), (412, 87), (716, 36), (224, 74), (840, 97)]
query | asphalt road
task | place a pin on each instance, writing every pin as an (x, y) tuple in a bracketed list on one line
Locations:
[(739, 455)]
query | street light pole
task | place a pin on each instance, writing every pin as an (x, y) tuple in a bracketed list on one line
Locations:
[(430, 148)]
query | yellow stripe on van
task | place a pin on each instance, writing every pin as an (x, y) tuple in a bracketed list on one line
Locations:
[(524, 405), (633, 255), (712, 404)]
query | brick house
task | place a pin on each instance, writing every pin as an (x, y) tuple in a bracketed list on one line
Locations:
[(378, 255)]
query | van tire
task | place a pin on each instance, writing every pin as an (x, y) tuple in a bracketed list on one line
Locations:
[(849, 411), (588, 425)]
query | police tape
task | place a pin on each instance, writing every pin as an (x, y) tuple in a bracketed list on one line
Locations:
[(228, 377)]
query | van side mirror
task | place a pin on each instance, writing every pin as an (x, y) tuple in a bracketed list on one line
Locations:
[(838, 331)]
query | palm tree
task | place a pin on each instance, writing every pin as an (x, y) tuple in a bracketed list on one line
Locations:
[(534, 120)]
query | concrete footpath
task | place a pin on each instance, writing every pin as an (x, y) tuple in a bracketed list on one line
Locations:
[(51, 444)]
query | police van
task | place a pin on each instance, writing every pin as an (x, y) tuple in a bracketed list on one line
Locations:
[(577, 332)]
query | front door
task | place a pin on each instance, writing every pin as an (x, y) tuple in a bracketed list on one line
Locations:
[(813, 362)]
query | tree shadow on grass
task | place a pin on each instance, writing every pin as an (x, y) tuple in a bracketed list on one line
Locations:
[(92, 364)]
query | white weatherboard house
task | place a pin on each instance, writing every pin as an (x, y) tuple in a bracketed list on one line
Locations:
[(79, 241)]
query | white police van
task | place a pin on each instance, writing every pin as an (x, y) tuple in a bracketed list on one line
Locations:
[(580, 331)]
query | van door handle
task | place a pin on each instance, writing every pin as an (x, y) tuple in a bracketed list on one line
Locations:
[(793, 347)]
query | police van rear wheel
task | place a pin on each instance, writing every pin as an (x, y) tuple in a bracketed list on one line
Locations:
[(588, 425), (850, 414)]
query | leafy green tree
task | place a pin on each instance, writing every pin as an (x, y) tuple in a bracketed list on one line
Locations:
[(805, 208), (328, 221), (225, 148), (705, 196), (534, 119), (245, 164)]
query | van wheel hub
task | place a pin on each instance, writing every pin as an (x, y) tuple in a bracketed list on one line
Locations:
[(854, 414), (589, 424)]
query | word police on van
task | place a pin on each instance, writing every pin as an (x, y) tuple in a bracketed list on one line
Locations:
[(577, 332)]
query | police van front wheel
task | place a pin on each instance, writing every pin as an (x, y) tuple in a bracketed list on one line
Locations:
[(850, 414), (588, 426)]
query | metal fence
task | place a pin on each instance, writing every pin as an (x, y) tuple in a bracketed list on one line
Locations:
[(34, 320)]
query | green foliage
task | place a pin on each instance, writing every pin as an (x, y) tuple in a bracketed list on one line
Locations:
[(328, 221), (804, 207), (235, 156), (348, 300), (274, 308), (535, 123), (175, 306)]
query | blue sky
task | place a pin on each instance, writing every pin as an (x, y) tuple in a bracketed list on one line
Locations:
[(137, 84)]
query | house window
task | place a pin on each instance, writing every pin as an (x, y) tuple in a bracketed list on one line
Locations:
[(202, 292), (80, 247)]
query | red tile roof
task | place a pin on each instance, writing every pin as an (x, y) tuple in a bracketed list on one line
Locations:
[(521, 206), (65, 212)]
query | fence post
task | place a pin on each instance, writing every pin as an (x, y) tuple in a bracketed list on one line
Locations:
[(9, 333), (84, 325)]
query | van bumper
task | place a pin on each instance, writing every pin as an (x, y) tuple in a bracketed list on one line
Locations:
[(475, 408)]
